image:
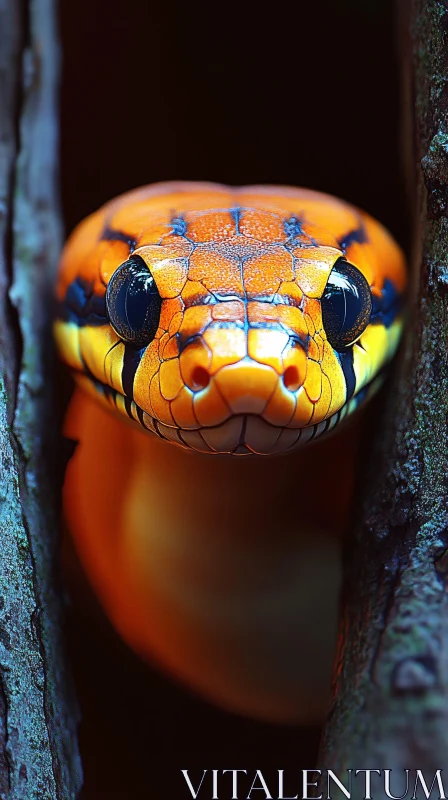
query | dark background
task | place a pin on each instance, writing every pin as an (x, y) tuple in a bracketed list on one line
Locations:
[(295, 93)]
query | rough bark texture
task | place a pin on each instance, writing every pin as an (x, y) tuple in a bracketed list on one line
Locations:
[(38, 750), (390, 700)]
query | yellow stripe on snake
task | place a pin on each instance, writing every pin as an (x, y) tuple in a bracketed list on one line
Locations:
[(229, 321)]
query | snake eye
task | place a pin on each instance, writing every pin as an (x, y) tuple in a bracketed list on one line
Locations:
[(346, 305), (133, 302)]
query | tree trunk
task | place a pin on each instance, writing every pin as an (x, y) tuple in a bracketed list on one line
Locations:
[(38, 750), (390, 701)]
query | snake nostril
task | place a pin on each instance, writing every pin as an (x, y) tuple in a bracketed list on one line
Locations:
[(200, 378), (291, 378)]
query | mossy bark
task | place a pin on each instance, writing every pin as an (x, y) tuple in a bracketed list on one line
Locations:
[(38, 749), (389, 707)]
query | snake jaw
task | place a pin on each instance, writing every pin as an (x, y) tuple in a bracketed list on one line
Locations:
[(237, 434)]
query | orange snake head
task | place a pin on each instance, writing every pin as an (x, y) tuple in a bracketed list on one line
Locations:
[(229, 320)]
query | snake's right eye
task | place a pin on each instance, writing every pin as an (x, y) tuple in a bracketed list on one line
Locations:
[(133, 302)]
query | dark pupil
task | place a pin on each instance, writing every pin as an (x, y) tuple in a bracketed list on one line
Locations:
[(346, 305), (133, 302)]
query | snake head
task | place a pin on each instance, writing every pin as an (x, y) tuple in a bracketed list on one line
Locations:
[(244, 321)]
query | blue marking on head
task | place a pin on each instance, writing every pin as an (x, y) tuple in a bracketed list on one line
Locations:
[(386, 307), (346, 361), (131, 360), (178, 226), (112, 235), (82, 306), (293, 227), (356, 236), (236, 215)]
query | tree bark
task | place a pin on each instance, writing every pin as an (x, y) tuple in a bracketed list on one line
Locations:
[(389, 706), (38, 716)]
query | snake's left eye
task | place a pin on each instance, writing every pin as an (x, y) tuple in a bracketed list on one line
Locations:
[(346, 305), (133, 302)]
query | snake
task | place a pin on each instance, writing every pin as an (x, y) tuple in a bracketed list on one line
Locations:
[(226, 321)]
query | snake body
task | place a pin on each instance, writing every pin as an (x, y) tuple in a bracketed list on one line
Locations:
[(239, 321)]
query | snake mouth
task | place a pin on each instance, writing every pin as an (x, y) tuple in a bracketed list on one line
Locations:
[(240, 434)]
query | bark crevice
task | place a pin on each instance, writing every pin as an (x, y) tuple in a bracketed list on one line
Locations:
[(389, 705), (39, 759)]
